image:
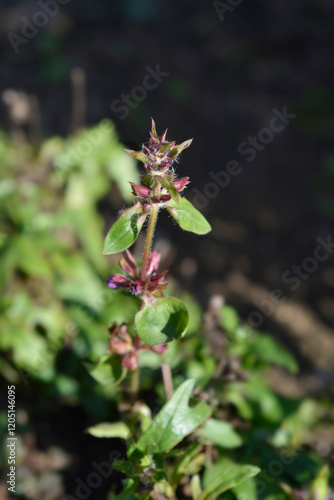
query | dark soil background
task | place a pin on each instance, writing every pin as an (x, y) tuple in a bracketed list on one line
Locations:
[(224, 79)]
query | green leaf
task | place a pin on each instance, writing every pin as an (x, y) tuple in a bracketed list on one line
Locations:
[(123, 466), (30, 257), (129, 491), (108, 371), (188, 217), (263, 399), (229, 319), (163, 322), (221, 433), (195, 487), (188, 455), (320, 485), (190, 463), (174, 421), (125, 230), (246, 489), (178, 149), (227, 479), (107, 430), (268, 350), (195, 312)]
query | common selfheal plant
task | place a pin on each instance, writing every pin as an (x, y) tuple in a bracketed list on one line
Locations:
[(152, 442), (160, 319)]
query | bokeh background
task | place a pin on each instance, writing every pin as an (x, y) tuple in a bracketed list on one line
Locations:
[(220, 77)]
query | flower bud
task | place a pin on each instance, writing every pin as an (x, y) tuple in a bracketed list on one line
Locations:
[(141, 191)]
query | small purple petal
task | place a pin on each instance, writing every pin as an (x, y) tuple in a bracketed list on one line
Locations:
[(118, 281), (153, 262), (110, 283), (128, 264)]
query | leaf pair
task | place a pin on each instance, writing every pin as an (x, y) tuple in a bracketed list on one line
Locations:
[(127, 227)]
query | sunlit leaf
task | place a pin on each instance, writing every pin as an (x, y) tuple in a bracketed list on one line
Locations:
[(125, 230), (174, 421), (108, 371), (110, 430), (164, 321), (188, 217), (220, 433), (229, 477)]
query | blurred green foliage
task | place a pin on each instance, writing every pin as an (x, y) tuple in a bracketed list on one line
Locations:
[(52, 277)]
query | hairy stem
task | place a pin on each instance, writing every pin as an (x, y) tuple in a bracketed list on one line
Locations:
[(149, 236)]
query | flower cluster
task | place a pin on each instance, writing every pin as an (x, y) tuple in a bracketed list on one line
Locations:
[(122, 344), (159, 155), (153, 284), (158, 184), (143, 191)]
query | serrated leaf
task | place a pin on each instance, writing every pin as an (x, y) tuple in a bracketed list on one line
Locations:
[(125, 230), (163, 322), (174, 421), (110, 430), (228, 478), (188, 217), (221, 433)]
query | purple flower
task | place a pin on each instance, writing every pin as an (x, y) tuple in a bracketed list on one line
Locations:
[(153, 284)]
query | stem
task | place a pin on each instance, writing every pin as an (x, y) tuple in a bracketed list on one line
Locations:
[(148, 242), (134, 383), (167, 378)]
